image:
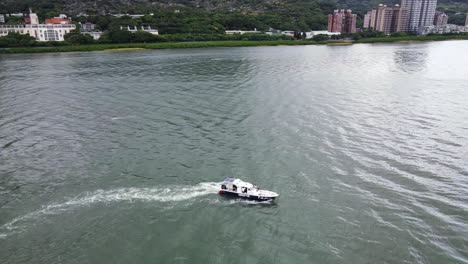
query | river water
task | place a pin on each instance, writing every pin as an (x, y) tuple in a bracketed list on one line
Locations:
[(113, 157)]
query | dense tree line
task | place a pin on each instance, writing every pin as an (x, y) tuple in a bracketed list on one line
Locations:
[(286, 15), (124, 36), (211, 16), (205, 22), (17, 40)]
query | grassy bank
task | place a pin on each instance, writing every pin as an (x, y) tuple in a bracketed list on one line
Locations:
[(163, 45), (210, 44)]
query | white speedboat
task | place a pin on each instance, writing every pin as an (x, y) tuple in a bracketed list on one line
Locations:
[(239, 188)]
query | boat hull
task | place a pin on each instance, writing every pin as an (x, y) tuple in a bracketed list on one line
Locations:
[(245, 196)]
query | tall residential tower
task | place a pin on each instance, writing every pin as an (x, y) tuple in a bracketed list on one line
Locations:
[(343, 21), (420, 13), (387, 19)]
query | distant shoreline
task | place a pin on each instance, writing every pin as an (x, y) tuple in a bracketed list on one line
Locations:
[(212, 44)]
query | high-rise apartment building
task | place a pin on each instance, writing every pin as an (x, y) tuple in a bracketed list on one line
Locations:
[(335, 21), (383, 22), (400, 19), (343, 21), (420, 13), (367, 18), (373, 17), (387, 19), (440, 19), (350, 22), (428, 12), (466, 20)]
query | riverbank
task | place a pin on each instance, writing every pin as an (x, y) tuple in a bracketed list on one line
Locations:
[(163, 45), (211, 44)]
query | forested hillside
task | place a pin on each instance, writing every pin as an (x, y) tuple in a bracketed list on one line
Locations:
[(209, 16), (199, 16)]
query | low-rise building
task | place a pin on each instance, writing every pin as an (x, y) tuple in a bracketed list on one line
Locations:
[(32, 18), (88, 27), (313, 33), (440, 19), (41, 32), (142, 28), (273, 31), (449, 28), (57, 20), (241, 32), (131, 16), (2, 18), (289, 33)]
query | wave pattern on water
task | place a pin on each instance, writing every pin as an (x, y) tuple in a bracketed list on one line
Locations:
[(166, 195), (367, 145)]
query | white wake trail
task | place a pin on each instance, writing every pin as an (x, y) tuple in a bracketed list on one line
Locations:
[(168, 194)]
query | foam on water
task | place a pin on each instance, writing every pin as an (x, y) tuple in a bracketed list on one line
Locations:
[(156, 194), (122, 117)]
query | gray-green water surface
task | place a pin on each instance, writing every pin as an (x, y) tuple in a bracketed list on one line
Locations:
[(112, 157)]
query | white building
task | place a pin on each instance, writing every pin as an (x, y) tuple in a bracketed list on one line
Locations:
[(88, 26), (42, 32), (33, 18), (311, 34), (449, 28), (288, 33), (146, 29), (241, 32), (2, 18), (131, 16)]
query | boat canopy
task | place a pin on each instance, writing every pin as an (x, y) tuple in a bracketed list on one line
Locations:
[(238, 182)]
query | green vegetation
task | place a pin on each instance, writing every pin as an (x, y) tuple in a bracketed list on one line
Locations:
[(183, 16), (320, 37), (455, 11), (17, 40), (123, 37), (75, 38), (119, 36), (205, 22), (211, 16), (166, 45), (194, 21), (237, 43)]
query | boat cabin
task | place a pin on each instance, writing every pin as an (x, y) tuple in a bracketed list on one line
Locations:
[(236, 185)]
